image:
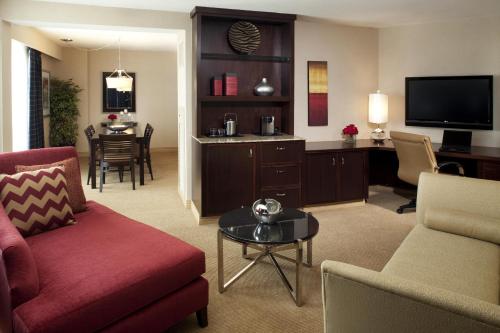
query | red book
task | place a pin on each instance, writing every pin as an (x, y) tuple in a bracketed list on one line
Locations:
[(230, 84), (216, 86)]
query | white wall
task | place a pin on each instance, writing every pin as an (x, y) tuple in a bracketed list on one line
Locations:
[(156, 90), (465, 47), (352, 56), (74, 66)]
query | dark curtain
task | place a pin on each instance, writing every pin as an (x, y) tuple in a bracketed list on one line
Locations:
[(35, 93)]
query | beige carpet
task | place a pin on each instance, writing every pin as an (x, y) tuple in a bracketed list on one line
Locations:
[(363, 235)]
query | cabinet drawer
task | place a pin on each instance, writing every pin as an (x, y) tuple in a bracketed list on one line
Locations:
[(489, 170), (281, 152), (289, 198), (280, 176)]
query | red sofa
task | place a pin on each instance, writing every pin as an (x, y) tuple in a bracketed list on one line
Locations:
[(105, 273)]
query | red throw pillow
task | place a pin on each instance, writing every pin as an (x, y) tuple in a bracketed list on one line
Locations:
[(73, 178), (36, 201)]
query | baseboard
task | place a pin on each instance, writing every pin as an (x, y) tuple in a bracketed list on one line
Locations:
[(347, 204), (202, 220)]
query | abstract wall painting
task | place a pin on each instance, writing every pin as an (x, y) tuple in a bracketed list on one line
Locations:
[(317, 93)]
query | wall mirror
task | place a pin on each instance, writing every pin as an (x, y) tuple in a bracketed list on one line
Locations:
[(116, 101)]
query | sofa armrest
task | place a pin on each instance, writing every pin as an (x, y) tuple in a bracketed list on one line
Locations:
[(5, 302), (359, 300)]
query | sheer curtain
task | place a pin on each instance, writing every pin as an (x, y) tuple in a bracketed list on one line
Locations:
[(20, 98)]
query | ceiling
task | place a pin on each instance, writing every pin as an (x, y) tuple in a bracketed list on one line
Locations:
[(108, 39), (371, 13)]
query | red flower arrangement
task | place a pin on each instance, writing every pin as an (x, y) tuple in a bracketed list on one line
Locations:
[(350, 129), (112, 117)]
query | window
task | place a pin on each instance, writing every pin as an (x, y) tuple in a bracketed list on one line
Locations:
[(20, 96)]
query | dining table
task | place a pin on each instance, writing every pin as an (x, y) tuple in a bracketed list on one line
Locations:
[(95, 143)]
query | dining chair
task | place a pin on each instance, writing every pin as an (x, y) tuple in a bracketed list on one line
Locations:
[(148, 133), (89, 133), (117, 151)]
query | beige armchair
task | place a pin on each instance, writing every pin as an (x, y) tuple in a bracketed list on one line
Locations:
[(443, 278), (415, 155)]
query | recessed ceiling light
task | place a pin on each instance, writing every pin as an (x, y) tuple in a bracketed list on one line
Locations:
[(66, 40)]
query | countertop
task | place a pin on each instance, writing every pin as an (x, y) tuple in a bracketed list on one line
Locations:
[(476, 153), (247, 138)]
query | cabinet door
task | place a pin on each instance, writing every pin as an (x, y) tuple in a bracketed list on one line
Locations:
[(352, 178), (320, 181), (229, 181)]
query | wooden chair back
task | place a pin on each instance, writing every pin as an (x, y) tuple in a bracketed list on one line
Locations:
[(148, 133), (117, 148)]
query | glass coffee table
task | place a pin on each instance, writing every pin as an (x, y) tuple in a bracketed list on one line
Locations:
[(291, 231)]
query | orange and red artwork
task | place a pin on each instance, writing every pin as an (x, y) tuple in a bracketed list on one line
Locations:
[(317, 93)]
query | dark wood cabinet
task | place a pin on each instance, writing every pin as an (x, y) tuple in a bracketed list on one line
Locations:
[(352, 176), (489, 170), (237, 174), (320, 179), (332, 176), (229, 179), (281, 172)]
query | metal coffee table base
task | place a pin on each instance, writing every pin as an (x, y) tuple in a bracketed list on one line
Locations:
[(270, 251)]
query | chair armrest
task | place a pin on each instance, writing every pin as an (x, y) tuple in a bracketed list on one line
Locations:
[(5, 302), (459, 167), (359, 300)]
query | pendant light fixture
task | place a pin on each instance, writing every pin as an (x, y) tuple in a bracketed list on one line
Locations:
[(119, 79)]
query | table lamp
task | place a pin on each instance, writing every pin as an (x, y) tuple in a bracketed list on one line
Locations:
[(378, 113)]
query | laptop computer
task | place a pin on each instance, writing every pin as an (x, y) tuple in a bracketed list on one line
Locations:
[(456, 141)]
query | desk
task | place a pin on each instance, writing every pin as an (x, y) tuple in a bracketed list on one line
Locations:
[(95, 142), (338, 171)]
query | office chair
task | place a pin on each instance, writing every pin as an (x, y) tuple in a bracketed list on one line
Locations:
[(415, 155)]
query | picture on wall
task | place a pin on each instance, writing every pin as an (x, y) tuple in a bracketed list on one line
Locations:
[(317, 78), (46, 93)]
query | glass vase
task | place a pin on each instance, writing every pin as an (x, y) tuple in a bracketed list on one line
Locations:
[(349, 138)]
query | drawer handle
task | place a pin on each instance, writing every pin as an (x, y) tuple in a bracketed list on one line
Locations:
[(279, 172), (281, 194), (280, 148), (333, 161), (342, 160)]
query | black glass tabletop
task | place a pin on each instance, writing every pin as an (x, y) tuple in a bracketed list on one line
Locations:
[(292, 225)]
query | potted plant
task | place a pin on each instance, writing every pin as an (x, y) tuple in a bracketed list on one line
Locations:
[(63, 112), (350, 132)]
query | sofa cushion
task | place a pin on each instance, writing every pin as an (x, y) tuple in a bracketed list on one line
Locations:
[(73, 179), (36, 201), (22, 274), (460, 264), (103, 269), (462, 223)]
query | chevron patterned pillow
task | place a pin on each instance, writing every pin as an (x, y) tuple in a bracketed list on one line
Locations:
[(36, 201)]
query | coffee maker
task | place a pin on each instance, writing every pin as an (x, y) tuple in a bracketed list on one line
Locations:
[(267, 125)]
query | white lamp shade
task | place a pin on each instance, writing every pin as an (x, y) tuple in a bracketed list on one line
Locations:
[(378, 108), (121, 83), (125, 84)]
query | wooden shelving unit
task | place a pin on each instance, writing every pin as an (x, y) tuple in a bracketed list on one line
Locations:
[(245, 99), (242, 57), (272, 60)]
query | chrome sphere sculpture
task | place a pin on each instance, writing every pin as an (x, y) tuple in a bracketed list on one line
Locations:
[(266, 210)]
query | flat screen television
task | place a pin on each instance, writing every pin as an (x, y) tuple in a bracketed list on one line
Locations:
[(450, 101)]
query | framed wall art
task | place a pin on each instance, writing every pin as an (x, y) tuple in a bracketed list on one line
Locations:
[(317, 95)]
